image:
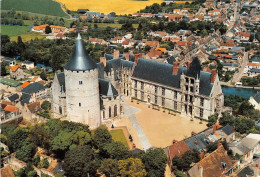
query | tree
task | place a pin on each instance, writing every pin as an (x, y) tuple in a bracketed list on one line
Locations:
[(204, 33), (79, 162), (109, 167), (43, 76), (155, 162), (26, 152), (131, 167), (101, 137), (46, 105), (116, 150), (48, 29), (44, 163), (183, 162), (212, 147), (3, 69), (17, 138), (212, 119)]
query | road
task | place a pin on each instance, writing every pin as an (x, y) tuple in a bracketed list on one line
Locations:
[(237, 76), (129, 112)]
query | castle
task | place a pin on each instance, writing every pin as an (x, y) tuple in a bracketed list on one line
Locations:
[(90, 93)]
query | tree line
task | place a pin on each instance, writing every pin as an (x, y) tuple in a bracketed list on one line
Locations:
[(81, 150)]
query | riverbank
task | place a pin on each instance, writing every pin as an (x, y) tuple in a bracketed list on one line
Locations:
[(243, 91)]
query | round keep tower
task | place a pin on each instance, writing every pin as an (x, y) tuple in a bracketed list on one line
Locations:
[(82, 88)]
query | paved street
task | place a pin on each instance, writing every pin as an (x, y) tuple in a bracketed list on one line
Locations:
[(129, 112), (237, 76)]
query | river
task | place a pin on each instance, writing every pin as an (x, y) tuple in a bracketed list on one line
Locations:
[(246, 93)]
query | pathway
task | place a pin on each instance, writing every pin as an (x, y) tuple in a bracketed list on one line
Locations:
[(129, 112)]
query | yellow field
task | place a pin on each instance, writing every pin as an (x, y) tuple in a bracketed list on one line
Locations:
[(107, 6), (27, 36)]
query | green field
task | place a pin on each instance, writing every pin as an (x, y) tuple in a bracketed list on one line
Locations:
[(47, 7), (118, 135), (14, 30), (24, 31)]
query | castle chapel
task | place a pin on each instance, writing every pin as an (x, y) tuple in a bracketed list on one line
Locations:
[(90, 93)]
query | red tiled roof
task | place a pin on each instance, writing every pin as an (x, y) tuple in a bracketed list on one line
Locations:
[(181, 43), (10, 108), (25, 84), (152, 43), (60, 35), (14, 68), (177, 149), (7, 171), (125, 43), (212, 163), (34, 107)]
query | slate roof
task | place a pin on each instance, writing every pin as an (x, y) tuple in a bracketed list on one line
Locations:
[(195, 68), (244, 146), (257, 97), (32, 88), (25, 98), (106, 88), (256, 59), (13, 97), (205, 85), (197, 142), (254, 70), (246, 172), (61, 79), (227, 129), (171, 60), (100, 67), (158, 72), (162, 73), (80, 60)]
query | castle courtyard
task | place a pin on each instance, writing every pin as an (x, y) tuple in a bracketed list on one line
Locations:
[(158, 128)]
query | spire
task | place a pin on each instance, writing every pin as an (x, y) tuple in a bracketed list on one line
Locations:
[(80, 60), (109, 92)]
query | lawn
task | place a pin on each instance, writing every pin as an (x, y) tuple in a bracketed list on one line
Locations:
[(118, 135), (24, 31), (47, 7), (14, 30)]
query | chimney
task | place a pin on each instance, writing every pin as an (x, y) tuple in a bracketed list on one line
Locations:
[(193, 133), (134, 146), (219, 144), (137, 56), (213, 75), (196, 142), (174, 141), (103, 60), (126, 55), (116, 53), (175, 67), (201, 154), (188, 64)]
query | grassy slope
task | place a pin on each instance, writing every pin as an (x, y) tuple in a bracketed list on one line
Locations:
[(23, 31), (47, 7), (118, 135)]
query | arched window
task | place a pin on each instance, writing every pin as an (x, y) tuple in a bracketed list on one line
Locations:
[(115, 110), (109, 111)]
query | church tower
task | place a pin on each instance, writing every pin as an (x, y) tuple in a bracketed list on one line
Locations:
[(82, 89)]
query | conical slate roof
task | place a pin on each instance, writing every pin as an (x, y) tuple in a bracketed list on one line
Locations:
[(80, 60)]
